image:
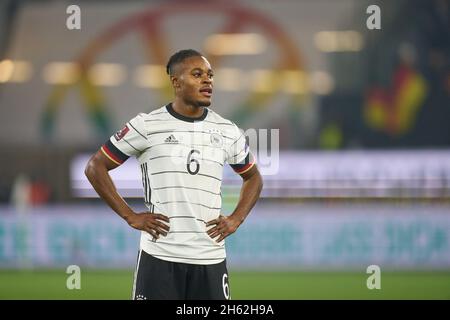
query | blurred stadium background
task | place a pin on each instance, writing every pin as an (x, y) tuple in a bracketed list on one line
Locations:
[(363, 176)]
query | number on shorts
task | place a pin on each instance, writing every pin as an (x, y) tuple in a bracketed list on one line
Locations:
[(226, 288)]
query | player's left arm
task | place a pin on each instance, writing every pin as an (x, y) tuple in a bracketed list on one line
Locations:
[(250, 191)]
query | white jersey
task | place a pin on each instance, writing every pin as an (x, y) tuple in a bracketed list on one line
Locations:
[(182, 163)]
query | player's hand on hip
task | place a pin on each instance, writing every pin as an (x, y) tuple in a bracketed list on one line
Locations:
[(223, 227), (153, 223)]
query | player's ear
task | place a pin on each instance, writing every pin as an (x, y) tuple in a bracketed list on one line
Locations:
[(175, 82)]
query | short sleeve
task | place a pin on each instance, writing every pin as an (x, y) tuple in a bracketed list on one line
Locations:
[(239, 155), (129, 141)]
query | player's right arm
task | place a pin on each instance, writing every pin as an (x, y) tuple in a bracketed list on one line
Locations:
[(97, 170), (97, 173)]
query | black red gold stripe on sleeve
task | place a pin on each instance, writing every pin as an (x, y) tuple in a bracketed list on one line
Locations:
[(114, 154), (245, 165)]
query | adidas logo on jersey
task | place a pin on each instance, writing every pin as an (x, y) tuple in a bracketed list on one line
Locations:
[(171, 139)]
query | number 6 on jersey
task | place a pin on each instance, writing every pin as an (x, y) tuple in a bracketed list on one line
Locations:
[(191, 160)]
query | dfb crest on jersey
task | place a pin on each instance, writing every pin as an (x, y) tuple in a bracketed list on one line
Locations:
[(121, 133), (216, 139)]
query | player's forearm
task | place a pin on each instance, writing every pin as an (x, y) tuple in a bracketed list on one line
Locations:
[(101, 181), (250, 191)]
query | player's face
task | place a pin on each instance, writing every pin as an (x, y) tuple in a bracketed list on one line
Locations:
[(195, 82)]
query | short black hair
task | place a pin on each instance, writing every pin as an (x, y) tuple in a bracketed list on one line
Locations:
[(180, 56)]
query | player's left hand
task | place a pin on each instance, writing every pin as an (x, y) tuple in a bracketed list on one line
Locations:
[(223, 227)]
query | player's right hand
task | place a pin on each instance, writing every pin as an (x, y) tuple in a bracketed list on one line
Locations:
[(153, 223)]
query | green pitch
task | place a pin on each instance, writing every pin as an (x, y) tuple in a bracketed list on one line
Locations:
[(96, 284)]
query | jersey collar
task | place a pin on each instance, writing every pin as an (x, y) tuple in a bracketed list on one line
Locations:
[(184, 118)]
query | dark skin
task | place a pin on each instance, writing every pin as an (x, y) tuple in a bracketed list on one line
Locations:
[(188, 80), (251, 188), (192, 80)]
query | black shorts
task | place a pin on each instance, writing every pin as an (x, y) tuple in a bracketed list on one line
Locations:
[(157, 279)]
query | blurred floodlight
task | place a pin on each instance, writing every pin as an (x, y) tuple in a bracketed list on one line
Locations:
[(22, 71), (321, 82), (235, 44), (6, 70), (15, 71), (338, 41), (61, 73), (294, 82), (262, 81), (228, 79), (107, 74), (151, 76)]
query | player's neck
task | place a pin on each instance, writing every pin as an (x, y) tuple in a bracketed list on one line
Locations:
[(187, 110)]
